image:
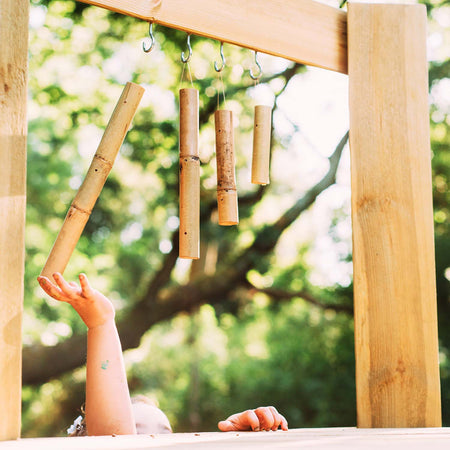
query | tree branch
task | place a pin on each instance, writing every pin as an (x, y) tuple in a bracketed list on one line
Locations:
[(281, 294)]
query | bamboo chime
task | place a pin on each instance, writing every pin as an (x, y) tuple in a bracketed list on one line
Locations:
[(227, 203), (189, 176), (189, 169), (81, 207), (261, 144)]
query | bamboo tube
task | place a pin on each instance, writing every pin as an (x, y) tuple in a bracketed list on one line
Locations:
[(189, 176), (261, 144), (89, 191), (226, 182)]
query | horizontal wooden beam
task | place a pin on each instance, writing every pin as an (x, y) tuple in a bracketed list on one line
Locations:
[(303, 31)]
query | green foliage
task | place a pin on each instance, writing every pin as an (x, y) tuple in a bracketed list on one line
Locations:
[(200, 369)]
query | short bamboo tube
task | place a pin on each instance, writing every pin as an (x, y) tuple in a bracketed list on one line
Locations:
[(189, 176), (261, 144), (88, 193), (226, 181)]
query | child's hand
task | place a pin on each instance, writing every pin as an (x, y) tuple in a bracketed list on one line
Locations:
[(264, 418), (92, 306)]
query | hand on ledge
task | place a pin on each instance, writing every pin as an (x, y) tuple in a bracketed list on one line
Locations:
[(263, 418)]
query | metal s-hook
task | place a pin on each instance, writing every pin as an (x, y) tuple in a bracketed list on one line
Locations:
[(152, 40), (183, 58), (252, 75), (216, 66)]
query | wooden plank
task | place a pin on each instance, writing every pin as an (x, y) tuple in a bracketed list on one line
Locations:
[(320, 438), (135, 8), (393, 252), (13, 126), (300, 30)]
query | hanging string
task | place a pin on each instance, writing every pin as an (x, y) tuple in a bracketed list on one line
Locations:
[(256, 77), (219, 70), (221, 87), (185, 60)]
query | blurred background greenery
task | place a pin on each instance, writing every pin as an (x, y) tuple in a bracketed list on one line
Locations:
[(265, 316)]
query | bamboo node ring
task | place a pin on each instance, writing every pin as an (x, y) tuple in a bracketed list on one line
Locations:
[(222, 56), (185, 59), (152, 40)]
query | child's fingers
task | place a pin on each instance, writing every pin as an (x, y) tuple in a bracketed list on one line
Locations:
[(226, 425), (244, 421), (86, 288), (276, 418), (279, 420), (247, 420), (266, 418), (51, 289), (71, 292), (73, 284)]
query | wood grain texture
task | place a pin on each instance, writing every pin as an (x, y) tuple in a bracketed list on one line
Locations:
[(189, 240), (393, 251), (88, 193), (306, 438), (13, 136), (304, 31)]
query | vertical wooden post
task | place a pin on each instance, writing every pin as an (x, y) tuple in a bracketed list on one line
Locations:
[(13, 132), (397, 372)]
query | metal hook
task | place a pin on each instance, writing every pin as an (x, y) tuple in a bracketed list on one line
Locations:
[(216, 66), (152, 39), (252, 75), (183, 58)]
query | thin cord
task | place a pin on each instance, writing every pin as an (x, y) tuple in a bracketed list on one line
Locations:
[(220, 85), (181, 78), (223, 91), (182, 75), (190, 74)]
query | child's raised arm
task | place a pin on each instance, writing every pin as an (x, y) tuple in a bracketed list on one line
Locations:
[(108, 404)]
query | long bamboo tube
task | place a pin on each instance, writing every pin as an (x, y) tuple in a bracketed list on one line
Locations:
[(189, 176), (226, 181), (89, 191), (261, 144)]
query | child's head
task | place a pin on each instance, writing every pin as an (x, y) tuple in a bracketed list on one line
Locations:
[(149, 418)]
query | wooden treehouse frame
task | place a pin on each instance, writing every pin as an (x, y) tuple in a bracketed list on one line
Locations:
[(382, 48)]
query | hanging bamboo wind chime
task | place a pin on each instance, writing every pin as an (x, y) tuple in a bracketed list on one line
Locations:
[(261, 137), (189, 170), (88, 193), (227, 200)]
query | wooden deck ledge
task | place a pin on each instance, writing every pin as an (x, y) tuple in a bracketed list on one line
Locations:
[(306, 438)]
